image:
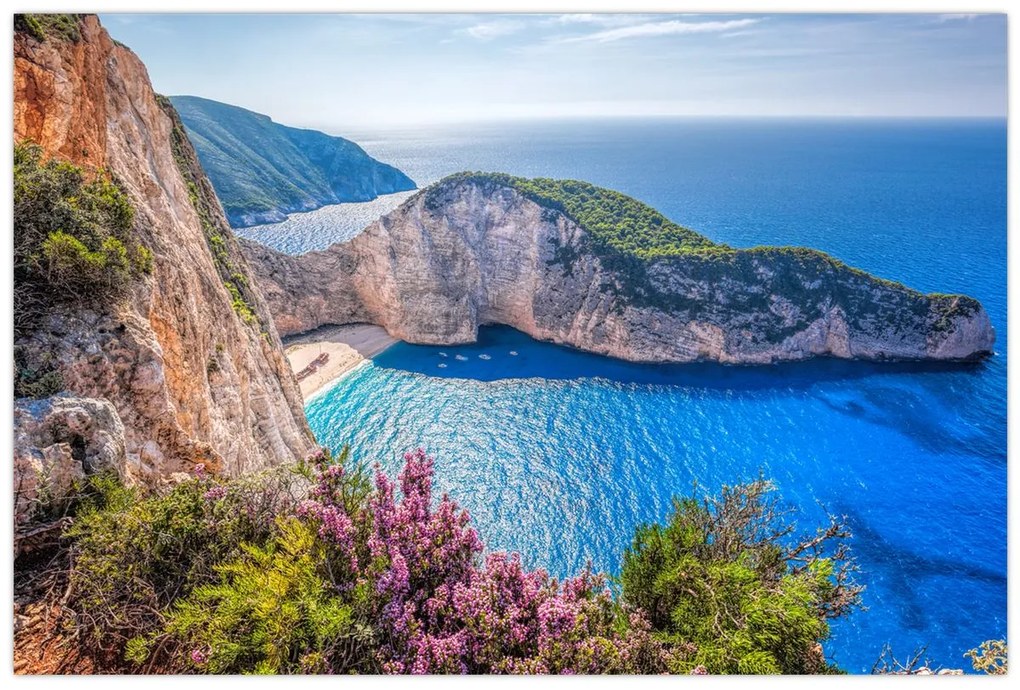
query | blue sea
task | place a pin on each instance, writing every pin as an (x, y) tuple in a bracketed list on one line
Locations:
[(560, 454)]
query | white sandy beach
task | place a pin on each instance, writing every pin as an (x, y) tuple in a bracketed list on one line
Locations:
[(345, 347)]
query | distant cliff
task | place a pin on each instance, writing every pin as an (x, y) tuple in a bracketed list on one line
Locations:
[(183, 365), (263, 170), (571, 263)]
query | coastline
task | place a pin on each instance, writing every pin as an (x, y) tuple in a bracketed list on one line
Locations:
[(328, 353)]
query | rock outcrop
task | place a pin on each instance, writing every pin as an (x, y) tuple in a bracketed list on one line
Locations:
[(475, 250), (57, 442), (190, 362)]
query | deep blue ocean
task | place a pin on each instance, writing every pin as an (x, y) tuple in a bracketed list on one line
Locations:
[(559, 454)]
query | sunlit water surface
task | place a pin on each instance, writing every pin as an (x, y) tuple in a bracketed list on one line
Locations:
[(559, 454)]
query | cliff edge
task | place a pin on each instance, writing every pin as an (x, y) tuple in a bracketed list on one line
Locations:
[(571, 263), (185, 364)]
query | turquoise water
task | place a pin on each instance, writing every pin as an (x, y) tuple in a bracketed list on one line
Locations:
[(559, 454)]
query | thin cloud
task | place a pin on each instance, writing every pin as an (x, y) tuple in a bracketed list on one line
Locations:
[(580, 18), (486, 31), (741, 32), (600, 19), (957, 17), (652, 29)]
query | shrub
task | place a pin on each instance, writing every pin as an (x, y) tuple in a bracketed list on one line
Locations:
[(62, 27), (273, 611), (73, 238), (35, 379), (991, 657), (136, 555), (241, 577), (722, 575), (72, 266)]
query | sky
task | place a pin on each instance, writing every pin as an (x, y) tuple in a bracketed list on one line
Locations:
[(337, 72)]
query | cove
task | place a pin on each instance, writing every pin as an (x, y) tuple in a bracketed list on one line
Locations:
[(559, 454)]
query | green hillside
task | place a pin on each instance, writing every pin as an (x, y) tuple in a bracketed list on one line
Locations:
[(263, 170), (615, 220)]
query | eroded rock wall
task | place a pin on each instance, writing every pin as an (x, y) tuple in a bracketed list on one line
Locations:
[(451, 259), (191, 380)]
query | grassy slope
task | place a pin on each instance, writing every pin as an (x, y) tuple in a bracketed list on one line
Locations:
[(259, 166)]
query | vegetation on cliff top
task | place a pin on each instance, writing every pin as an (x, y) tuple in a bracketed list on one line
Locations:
[(632, 240), (261, 169), (61, 27), (262, 575), (615, 221), (623, 225)]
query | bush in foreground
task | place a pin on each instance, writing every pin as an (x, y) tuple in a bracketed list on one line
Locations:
[(134, 557), (369, 576), (724, 576)]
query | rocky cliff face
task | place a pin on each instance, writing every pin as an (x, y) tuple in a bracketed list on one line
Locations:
[(190, 363), (466, 253)]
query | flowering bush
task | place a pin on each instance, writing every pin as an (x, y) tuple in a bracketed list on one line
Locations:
[(437, 608), (376, 576)]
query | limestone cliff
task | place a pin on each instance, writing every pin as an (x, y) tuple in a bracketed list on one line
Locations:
[(188, 363), (486, 249)]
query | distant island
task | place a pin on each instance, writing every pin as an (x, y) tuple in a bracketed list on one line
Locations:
[(568, 262), (262, 170)]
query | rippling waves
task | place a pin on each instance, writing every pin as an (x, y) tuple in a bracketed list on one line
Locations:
[(316, 230), (559, 454)]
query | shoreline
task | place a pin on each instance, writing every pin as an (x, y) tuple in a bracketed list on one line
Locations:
[(329, 352)]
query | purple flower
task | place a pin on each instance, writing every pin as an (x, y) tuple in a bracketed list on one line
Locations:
[(199, 657), (441, 609), (215, 493), (199, 470)]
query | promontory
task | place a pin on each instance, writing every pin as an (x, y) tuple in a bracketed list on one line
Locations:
[(571, 263)]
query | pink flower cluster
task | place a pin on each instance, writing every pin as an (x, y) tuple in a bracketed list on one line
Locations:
[(439, 609), (215, 493), (326, 505)]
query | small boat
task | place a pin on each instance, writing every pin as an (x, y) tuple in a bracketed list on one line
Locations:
[(513, 353), (484, 357), (461, 358), (442, 354), (441, 365)]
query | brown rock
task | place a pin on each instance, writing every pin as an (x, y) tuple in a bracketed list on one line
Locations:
[(90, 101)]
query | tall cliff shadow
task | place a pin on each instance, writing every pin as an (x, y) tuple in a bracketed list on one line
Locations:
[(504, 353), (930, 402), (938, 423), (903, 567)]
